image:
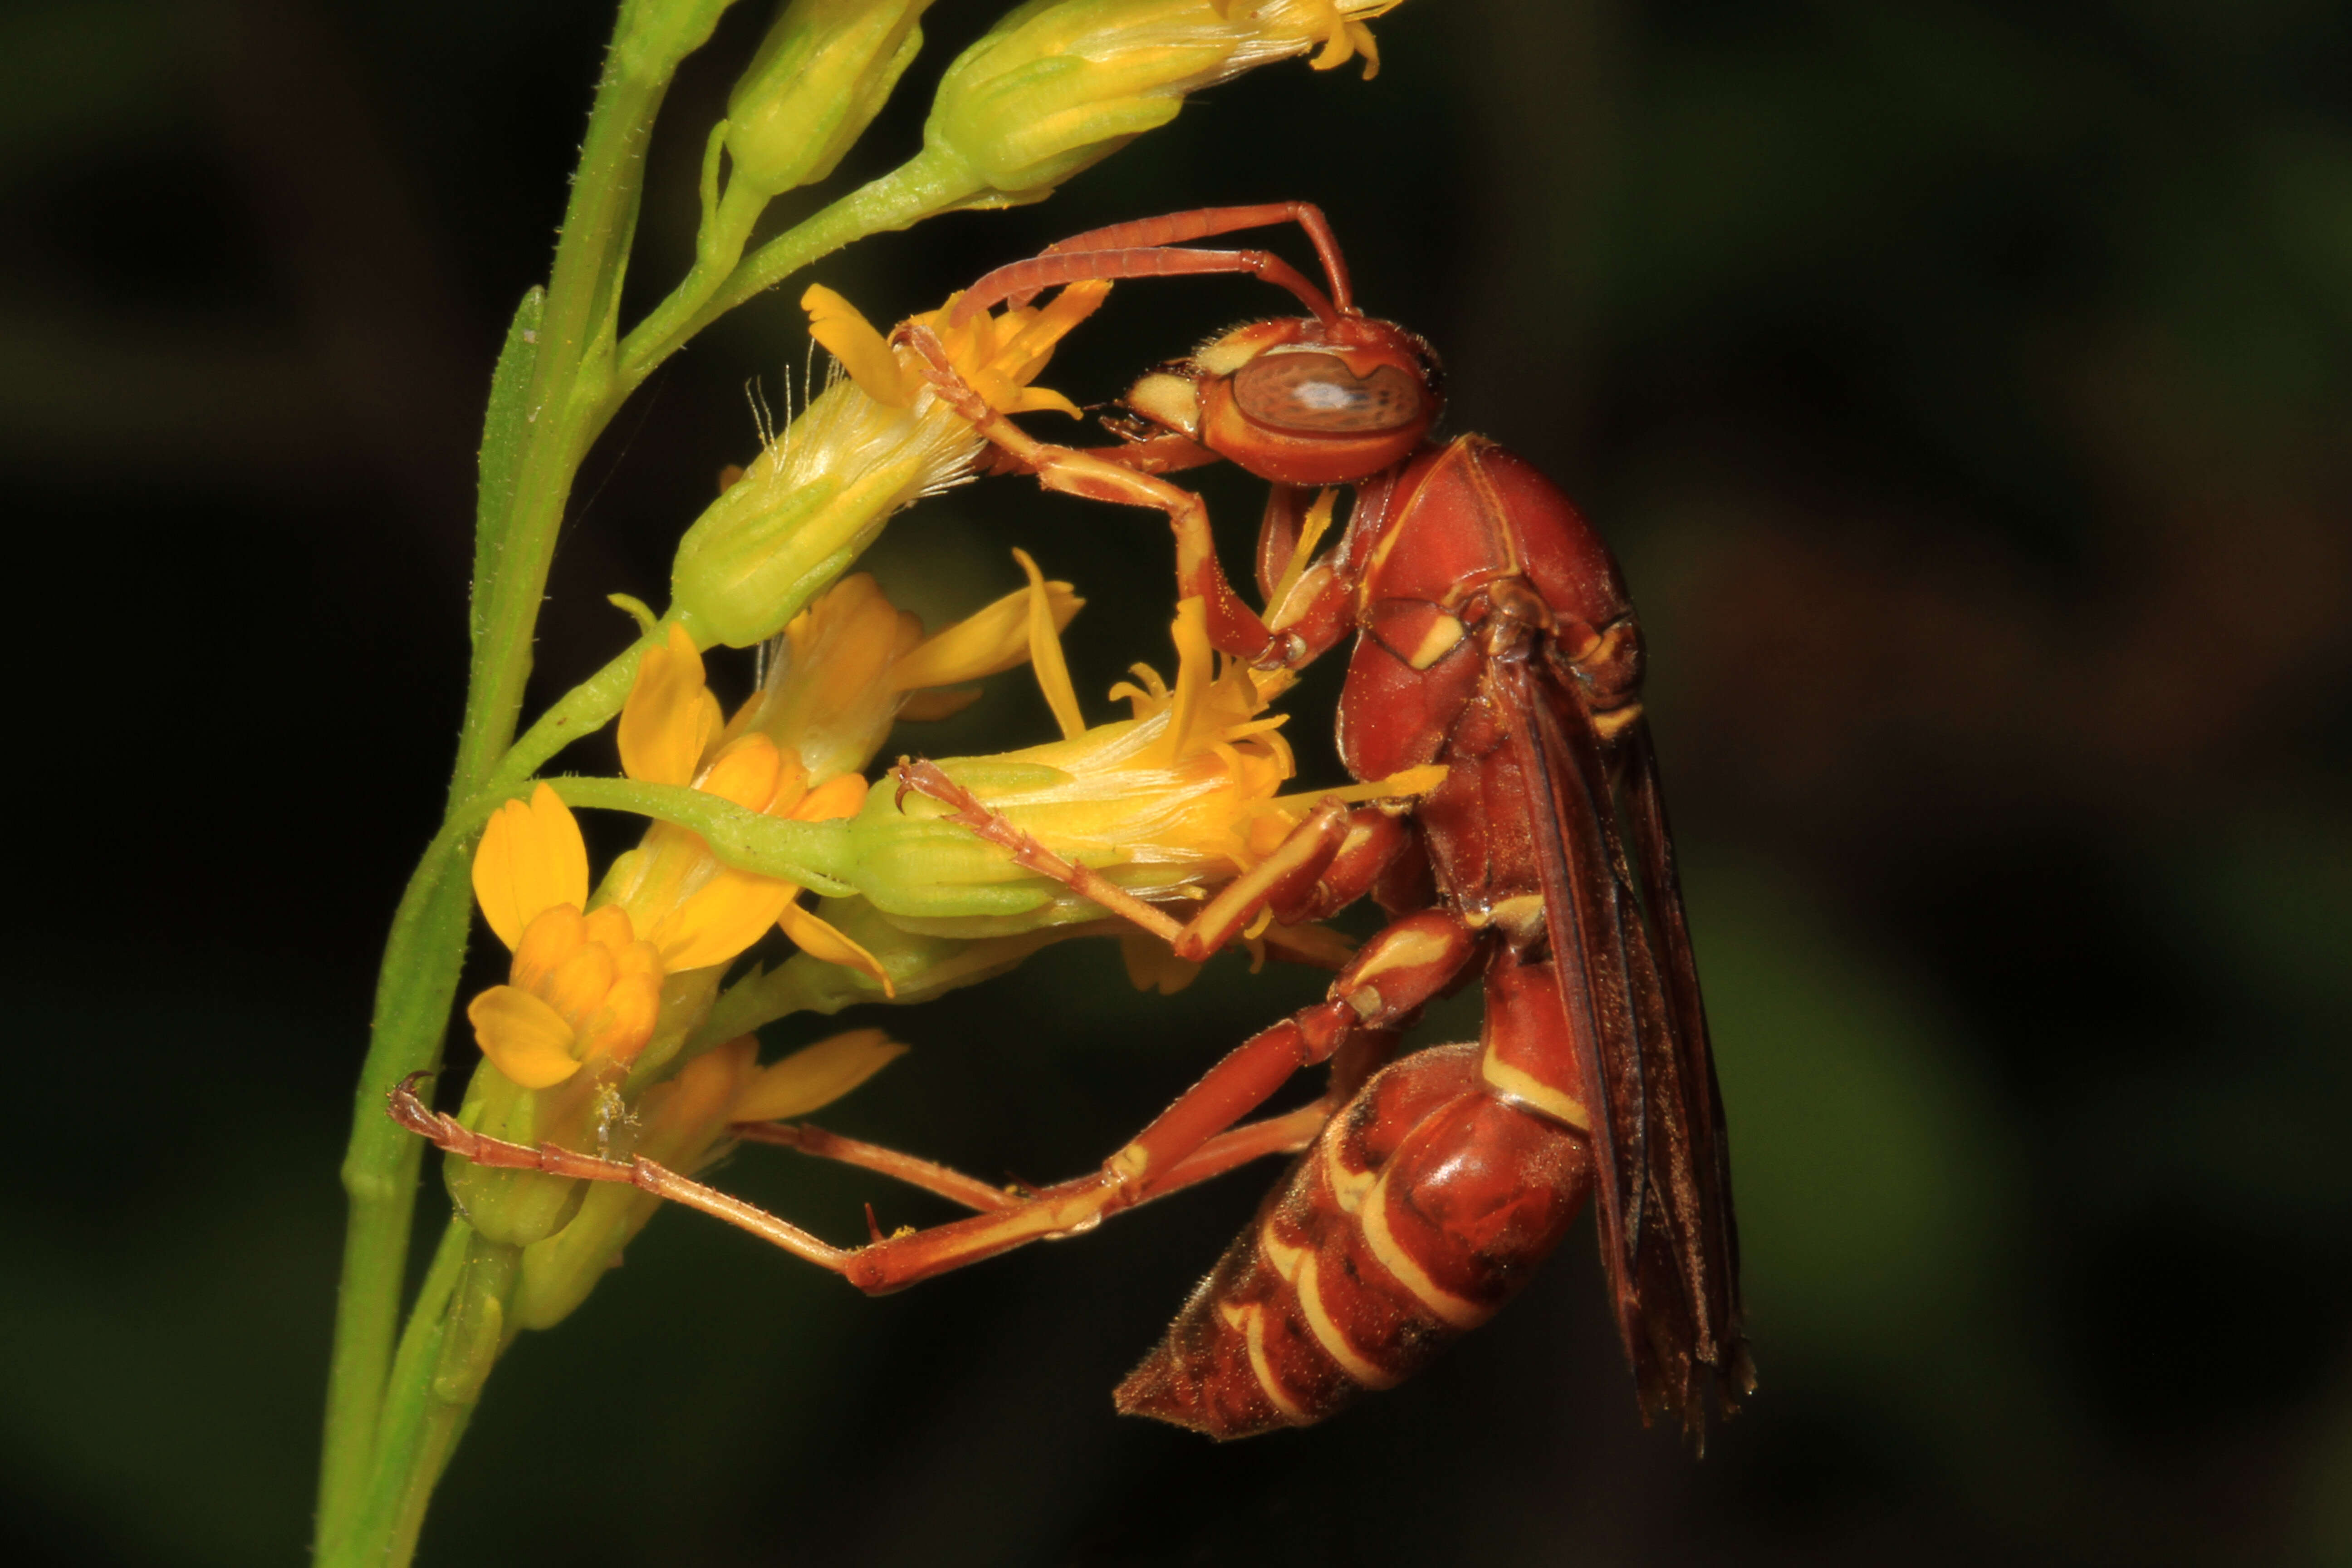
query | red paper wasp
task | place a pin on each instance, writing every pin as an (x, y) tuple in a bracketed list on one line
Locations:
[(1495, 637)]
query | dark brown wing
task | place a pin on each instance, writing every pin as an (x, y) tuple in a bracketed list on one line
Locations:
[(1631, 993), (1710, 1148)]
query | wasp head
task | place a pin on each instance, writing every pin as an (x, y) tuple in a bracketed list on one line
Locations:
[(1298, 400)]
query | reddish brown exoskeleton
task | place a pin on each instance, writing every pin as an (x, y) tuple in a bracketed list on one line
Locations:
[(1494, 636), (1495, 639)]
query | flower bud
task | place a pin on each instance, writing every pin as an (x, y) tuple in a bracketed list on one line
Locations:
[(824, 71), (1059, 85), (805, 509)]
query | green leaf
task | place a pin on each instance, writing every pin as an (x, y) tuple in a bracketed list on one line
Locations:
[(504, 426)]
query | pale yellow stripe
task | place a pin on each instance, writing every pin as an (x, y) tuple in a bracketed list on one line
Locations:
[(1530, 1090), (1607, 725), (1408, 949), (1327, 1333), (1444, 1304), (1347, 1186), (1436, 642), (1254, 1332), (1284, 1257)]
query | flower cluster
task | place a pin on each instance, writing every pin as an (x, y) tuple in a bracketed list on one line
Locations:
[(605, 990), (1176, 797)]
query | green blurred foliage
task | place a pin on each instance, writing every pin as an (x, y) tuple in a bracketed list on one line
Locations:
[(1965, 386)]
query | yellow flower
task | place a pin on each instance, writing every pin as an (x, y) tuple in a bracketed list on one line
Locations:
[(841, 672), (999, 354), (1177, 795), (874, 441), (590, 987), (1167, 803), (582, 987)]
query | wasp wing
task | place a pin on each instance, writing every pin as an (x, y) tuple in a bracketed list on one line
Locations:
[(1630, 993)]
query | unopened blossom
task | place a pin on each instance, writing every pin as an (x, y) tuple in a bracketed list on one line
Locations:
[(604, 990), (1059, 85)]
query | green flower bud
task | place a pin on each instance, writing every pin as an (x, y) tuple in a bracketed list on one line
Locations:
[(1059, 85), (820, 76), (805, 510), (516, 1207)]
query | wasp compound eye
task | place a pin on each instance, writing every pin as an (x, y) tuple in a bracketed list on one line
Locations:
[(1317, 393)]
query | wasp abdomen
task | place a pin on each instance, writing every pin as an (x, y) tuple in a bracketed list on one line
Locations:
[(1421, 1209)]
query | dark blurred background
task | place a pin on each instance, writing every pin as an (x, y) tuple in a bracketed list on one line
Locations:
[(1966, 387)]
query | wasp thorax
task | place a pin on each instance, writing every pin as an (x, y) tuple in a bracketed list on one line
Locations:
[(1315, 393)]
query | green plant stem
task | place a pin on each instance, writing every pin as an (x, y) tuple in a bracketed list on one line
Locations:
[(454, 1335), (814, 854), (928, 183), (568, 405), (583, 710), (337, 1545), (577, 379), (418, 980)]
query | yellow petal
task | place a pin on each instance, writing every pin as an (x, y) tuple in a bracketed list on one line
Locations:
[(1310, 534), (987, 642), (523, 1036), (637, 958), (938, 702), (726, 915), (752, 773), (703, 1095), (816, 1075), (1151, 966), (1046, 654), (1396, 787), (1037, 399), (670, 716), (531, 858), (841, 795), (1033, 344), (1194, 663), (554, 934), (577, 988), (624, 1021), (609, 927), (820, 941), (851, 339)]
